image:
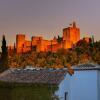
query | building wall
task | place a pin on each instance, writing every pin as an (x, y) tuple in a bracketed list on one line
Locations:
[(20, 39), (71, 35), (54, 47), (84, 85), (98, 84), (26, 46), (74, 35), (80, 86), (67, 44), (64, 86), (42, 45), (66, 34)]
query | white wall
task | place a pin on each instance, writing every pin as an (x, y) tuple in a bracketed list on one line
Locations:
[(81, 86), (98, 84), (64, 87)]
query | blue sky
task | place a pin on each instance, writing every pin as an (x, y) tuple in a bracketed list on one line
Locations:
[(48, 17)]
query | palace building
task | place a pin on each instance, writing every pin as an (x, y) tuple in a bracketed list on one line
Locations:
[(71, 35)]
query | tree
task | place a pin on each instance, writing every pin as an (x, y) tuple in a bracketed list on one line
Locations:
[(14, 49), (4, 55), (59, 39)]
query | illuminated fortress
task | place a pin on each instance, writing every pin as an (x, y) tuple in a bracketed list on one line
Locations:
[(71, 35)]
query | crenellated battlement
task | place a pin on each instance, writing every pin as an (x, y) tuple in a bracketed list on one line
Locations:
[(71, 35)]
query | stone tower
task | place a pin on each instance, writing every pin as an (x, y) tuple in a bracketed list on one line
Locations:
[(20, 40), (71, 33)]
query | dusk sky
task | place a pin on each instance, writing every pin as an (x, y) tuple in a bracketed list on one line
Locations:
[(48, 17)]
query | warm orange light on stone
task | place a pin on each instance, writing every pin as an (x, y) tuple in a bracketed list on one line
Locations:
[(87, 39), (71, 35)]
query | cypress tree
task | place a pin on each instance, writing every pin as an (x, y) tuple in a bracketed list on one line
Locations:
[(14, 49), (4, 55)]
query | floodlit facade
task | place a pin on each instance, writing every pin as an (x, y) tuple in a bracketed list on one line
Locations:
[(71, 35)]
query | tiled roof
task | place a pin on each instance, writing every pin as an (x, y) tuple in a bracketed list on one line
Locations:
[(45, 76), (87, 66)]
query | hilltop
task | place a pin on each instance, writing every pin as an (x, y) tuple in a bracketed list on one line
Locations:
[(83, 52)]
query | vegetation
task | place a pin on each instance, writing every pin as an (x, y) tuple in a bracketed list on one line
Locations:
[(82, 52), (4, 56), (18, 91)]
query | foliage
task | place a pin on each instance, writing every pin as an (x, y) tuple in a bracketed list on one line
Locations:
[(4, 55), (19, 91), (83, 52)]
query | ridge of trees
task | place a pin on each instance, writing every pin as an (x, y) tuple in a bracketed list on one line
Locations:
[(82, 52)]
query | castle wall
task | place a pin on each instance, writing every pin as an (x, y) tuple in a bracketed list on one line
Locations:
[(36, 40), (71, 35), (66, 34), (42, 45), (20, 39), (67, 44), (74, 35), (54, 47), (27, 46)]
